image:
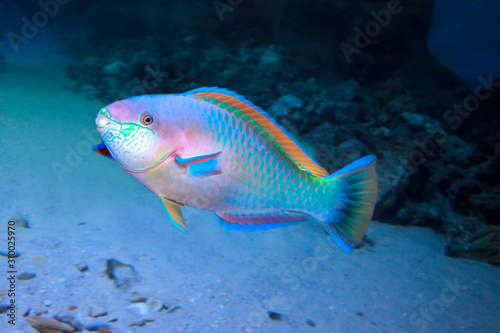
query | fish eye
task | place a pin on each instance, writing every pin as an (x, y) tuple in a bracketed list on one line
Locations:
[(146, 118)]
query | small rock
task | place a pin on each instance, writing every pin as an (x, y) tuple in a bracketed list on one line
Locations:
[(173, 308), (4, 308), (123, 274), (48, 325), (21, 222), (274, 315), (70, 320), (141, 323), (82, 267), (97, 311), (99, 328), (138, 324), (26, 276), (72, 307), (310, 323), (154, 303), (140, 308), (105, 329), (137, 298), (3, 292), (47, 302)]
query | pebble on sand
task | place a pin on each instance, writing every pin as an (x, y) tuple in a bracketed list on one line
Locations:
[(26, 276), (99, 328), (274, 315), (140, 308), (4, 308), (154, 303), (173, 308), (123, 274), (82, 267), (310, 323), (48, 325), (141, 323), (97, 311), (137, 298), (21, 222)]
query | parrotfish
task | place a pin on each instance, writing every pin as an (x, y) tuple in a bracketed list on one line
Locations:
[(212, 149)]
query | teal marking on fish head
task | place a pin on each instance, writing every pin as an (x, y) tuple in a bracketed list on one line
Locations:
[(135, 133)]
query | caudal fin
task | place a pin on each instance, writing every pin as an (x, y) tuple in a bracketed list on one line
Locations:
[(362, 179)]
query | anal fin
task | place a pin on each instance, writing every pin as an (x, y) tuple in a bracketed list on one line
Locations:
[(257, 222)]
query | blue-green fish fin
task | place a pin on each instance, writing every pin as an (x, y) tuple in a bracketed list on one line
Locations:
[(361, 176), (102, 150), (200, 166), (173, 210), (258, 222)]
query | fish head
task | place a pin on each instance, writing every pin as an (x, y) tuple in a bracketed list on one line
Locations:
[(137, 133)]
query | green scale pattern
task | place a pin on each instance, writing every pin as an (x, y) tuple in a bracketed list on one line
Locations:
[(262, 187)]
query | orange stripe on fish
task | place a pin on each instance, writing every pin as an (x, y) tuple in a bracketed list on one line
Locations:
[(274, 130)]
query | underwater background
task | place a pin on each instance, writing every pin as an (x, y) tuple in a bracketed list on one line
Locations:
[(416, 83)]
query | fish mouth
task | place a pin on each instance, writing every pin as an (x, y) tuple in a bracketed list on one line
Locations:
[(102, 124)]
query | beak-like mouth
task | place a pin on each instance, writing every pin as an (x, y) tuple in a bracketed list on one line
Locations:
[(102, 124)]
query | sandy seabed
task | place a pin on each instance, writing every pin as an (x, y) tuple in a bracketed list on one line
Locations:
[(82, 207)]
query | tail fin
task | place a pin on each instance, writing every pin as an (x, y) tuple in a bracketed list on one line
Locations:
[(362, 178)]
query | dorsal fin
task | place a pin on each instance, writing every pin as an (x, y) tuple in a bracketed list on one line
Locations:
[(257, 117)]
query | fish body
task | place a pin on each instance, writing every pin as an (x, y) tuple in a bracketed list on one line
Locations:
[(210, 148)]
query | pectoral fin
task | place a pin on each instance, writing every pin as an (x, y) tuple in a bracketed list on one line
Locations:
[(102, 150), (174, 214), (200, 166)]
